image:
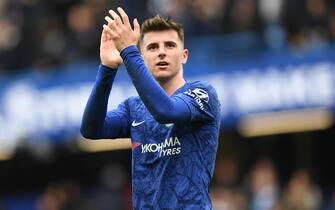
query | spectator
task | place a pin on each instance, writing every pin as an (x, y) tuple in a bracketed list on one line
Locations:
[(264, 186), (47, 34), (61, 196), (301, 193)]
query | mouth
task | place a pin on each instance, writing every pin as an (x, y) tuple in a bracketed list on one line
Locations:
[(162, 64)]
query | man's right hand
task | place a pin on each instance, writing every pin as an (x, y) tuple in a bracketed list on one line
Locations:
[(109, 55)]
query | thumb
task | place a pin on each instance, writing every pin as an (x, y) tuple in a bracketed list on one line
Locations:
[(103, 36)]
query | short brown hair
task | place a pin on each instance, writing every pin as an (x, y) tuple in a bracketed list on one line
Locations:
[(159, 23)]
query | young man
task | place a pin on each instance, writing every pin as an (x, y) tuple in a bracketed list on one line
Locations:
[(173, 124)]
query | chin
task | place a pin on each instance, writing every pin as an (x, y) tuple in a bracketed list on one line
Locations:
[(162, 78)]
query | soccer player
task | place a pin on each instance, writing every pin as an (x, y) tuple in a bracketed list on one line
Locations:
[(173, 124)]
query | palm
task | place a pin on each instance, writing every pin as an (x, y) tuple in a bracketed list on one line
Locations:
[(109, 55)]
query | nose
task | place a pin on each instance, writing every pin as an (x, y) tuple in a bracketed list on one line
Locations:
[(161, 53)]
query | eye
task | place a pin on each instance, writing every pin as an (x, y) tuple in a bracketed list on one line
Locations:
[(152, 47), (170, 44)]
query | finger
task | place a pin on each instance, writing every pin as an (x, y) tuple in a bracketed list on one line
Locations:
[(124, 16), (136, 26), (111, 23), (105, 35), (109, 31), (116, 17)]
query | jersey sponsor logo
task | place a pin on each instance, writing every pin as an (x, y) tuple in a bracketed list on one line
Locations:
[(203, 95), (134, 124), (199, 96), (170, 146)]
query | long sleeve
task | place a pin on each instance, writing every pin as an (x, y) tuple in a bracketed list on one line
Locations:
[(96, 122), (163, 108)]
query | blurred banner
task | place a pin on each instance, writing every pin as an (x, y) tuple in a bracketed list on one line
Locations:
[(38, 106)]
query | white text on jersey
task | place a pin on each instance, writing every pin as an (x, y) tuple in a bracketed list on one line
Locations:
[(170, 146), (198, 95)]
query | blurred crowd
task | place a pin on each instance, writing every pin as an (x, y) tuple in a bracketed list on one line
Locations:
[(43, 34), (111, 191), (259, 188), (262, 189)]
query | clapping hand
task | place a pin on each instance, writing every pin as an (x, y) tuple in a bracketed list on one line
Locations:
[(120, 30)]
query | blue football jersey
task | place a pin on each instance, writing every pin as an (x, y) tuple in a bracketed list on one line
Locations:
[(172, 164)]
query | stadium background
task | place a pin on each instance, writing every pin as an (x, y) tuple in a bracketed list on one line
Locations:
[(272, 62)]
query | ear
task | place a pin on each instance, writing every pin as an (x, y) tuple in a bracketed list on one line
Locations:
[(185, 56)]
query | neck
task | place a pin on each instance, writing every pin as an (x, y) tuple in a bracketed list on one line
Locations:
[(170, 86)]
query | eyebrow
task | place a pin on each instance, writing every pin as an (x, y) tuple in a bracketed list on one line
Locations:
[(156, 43), (170, 42)]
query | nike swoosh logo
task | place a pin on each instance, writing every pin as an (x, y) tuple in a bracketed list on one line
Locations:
[(134, 124), (169, 125)]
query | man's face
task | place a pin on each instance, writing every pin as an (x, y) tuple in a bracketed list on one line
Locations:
[(164, 54)]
